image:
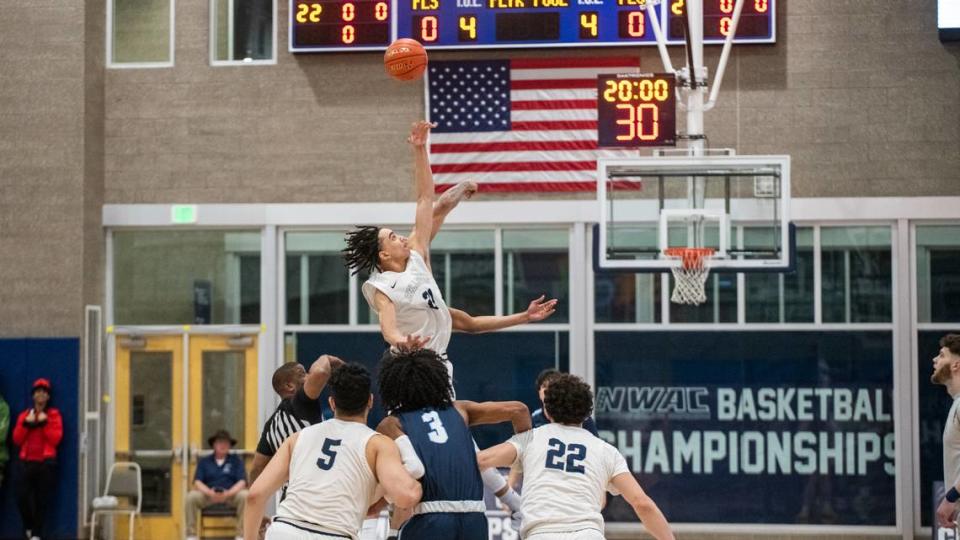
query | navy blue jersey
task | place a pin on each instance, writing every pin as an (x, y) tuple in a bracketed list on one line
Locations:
[(540, 419), (445, 446)]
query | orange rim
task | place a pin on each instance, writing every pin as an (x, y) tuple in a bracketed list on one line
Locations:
[(689, 257)]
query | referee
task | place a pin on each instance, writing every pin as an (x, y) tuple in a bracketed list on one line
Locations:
[(299, 407), (946, 371)]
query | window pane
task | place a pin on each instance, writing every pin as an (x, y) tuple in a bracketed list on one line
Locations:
[(141, 31), (774, 297), (721, 304), (626, 297), (186, 277), (857, 278), (293, 287), (249, 297), (938, 273), (365, 315), (244, 29), (535, 262), (151, 424), (315, 269), (223, 394), (463, 267)]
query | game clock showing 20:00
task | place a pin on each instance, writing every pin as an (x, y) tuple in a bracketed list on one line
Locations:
[(342, 25), (636, 110)]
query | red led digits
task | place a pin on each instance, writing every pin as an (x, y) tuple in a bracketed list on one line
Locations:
[(636, 111), (381, 11), (428, 28)]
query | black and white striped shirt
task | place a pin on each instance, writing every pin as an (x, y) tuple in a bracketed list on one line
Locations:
[(292, 415)]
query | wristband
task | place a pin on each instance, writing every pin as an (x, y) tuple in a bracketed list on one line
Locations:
[(953, 495)]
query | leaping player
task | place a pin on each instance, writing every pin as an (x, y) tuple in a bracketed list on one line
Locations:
[(403, 292)]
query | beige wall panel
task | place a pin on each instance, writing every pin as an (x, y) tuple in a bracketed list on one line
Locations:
[(41, 167)]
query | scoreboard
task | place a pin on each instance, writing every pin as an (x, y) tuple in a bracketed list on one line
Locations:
[(636, 110), (371, 25)]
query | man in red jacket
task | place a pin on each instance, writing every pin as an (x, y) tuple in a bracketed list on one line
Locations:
[(37, 432)]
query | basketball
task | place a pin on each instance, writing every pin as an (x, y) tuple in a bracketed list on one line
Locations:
[(405, 59)]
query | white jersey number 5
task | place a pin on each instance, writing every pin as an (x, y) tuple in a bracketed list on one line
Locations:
[(437, 433)]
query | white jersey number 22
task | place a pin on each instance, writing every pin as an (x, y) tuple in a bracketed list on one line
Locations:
[(437, 433)]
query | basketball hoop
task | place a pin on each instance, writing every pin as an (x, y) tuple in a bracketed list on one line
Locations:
[(691, 275)]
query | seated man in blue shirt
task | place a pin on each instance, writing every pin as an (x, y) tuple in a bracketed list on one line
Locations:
[(540, 419), (220, 478)]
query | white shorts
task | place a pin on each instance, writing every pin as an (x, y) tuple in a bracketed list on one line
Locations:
[(285, 531), (376, 529), (581, 534)]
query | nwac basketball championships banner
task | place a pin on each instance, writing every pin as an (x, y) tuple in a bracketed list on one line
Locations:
[(753, 427), (518, 125)]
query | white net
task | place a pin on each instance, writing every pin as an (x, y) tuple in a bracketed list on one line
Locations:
[(690, 277)]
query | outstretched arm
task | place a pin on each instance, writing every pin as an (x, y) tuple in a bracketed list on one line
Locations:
[(643, 506), (423, 181), (448, 201), (538, 310), (265, 486), (494, 412), (501, 455)]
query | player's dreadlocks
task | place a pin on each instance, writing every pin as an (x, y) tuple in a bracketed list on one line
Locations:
[(568, 400), (363, 248), (414, 380)]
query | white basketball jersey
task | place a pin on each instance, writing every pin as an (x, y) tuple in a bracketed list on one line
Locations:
[(565, 473), (331, 484), (418, 301), (951, 445)]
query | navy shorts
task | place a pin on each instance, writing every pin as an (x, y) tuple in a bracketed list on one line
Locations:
[(463, 526)]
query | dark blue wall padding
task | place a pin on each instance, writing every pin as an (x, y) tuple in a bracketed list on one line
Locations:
[(21, 362)]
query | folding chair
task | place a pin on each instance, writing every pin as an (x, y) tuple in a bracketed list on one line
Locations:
[(123, 482)]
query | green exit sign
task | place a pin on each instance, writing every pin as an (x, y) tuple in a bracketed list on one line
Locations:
[(183, 213)]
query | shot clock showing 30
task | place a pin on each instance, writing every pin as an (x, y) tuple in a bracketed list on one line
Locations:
[(636, 110)]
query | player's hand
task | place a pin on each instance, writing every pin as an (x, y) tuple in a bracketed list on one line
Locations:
[(412, 343), (31, 416), (946, 514), (41, 416), (470, 188), (419, 133), (541, 309)]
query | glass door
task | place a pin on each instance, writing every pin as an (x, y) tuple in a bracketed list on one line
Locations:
[(149, 427), (222, 393)]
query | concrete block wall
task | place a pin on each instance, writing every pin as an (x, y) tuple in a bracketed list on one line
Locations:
[(45, 124)]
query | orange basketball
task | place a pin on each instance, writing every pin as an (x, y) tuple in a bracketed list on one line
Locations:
[(405, 59)]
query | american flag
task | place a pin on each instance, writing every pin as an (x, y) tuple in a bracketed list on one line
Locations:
[(519, 125)]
